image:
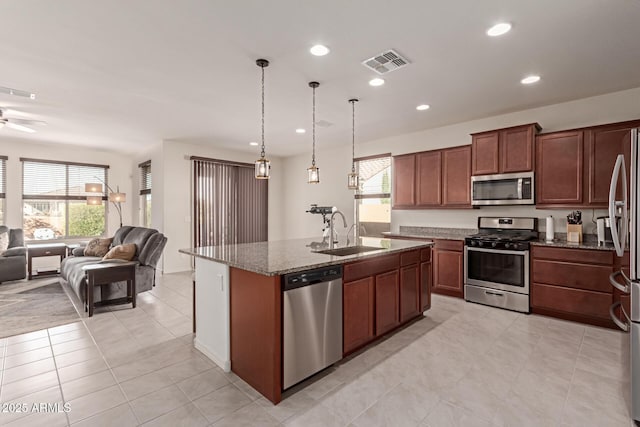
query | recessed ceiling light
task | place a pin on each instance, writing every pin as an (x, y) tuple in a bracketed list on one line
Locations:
[(319, 50), (300, 130), (499, 29), (530, 79), (422, 107), (376, 82), (253, 143)]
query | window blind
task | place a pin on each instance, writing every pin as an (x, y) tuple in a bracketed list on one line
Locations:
[(3, 176), (145, 177), (44, 179), (375, 177)]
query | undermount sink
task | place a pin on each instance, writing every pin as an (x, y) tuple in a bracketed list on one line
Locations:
[(349, 250)]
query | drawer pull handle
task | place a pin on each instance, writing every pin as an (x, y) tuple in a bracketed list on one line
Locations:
[(47, 252), (494, 293)]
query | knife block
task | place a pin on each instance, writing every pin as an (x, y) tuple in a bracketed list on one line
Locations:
[(574, 233)]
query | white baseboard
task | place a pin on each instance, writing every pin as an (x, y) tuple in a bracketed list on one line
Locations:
[(225, 365)]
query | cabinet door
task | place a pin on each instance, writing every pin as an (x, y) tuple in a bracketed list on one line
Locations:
[(429, 178), (387, 304), (559, 169), (358, 313), (409, 292), (425, 286), (603, 144), (404, 179), (485, 154), (447, 276), (516, 149), (457, 176)]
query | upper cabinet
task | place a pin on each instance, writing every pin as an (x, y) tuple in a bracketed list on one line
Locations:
[(433, 179), (504, 150), (574, 168)]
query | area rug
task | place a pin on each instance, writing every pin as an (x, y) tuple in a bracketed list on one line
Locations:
[(34, 305)]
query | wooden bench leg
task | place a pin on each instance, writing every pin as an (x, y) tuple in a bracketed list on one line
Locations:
[(90, 294), (133, 289)]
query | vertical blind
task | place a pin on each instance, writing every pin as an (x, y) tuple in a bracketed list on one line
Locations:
[(145, 177), (49, 180), (230, 205), (3, 176)]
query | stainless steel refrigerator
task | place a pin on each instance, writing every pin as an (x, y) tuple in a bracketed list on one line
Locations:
[(629, 213)]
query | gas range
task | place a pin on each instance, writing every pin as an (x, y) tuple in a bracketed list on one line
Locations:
[(512, 234)]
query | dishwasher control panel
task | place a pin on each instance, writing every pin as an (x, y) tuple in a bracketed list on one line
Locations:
[(311, 277)]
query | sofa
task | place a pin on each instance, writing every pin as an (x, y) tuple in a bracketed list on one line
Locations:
[(149, 246), (13, 263)]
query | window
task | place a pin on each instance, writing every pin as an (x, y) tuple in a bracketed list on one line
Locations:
[(373, 198), (145, 193), (54, 200), (3, 186), (230, 204)]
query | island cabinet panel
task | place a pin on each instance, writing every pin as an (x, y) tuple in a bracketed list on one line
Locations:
[(256, 331), (404, 181), (358, 313), (387, 302), (426, 277), (559, 169), (429, 179), (485, 153), (572, 284), (448, 268), (456, 176), (409, 292)]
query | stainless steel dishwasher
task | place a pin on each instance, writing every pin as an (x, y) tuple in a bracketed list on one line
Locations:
[(312, 322)]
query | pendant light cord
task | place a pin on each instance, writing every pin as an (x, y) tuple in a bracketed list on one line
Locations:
[(313, 153), (262, 152), (353, 135)]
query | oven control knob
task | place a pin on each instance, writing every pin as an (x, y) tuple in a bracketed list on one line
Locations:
[(507, 245), (480, 243), (473, 243), (494, 244)]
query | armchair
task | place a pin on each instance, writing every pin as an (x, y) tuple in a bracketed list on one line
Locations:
[(13, 263)]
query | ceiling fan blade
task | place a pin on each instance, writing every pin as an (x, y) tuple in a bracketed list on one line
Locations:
[(26, 121), (19, 127)]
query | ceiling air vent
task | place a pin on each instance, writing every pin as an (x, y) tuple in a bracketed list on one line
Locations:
[(385, 62)]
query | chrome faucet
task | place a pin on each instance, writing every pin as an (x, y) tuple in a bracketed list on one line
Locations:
[(331, 221)]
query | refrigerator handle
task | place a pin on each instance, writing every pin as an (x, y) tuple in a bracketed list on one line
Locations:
[(618, 234), (626, 288), (612, 314)]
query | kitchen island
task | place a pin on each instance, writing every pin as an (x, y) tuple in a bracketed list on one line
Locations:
[(239, 298)]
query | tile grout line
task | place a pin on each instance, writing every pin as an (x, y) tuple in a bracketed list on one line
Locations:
[(573, 374), (55, 365), (4, 355)]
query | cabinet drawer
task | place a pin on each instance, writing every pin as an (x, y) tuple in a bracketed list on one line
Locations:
[(572, 301), (584, 256), (449, 245), (425, 255), (360, 269), (408, 258), (579, 276)]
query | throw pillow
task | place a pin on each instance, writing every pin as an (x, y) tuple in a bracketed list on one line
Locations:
[(124, 252), (97, 247), (4, 242)]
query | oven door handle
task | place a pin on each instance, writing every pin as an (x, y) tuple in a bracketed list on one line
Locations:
[(497, 251)]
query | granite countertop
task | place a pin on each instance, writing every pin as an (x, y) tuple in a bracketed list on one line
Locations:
[(431, 233), (290, 256), (586, 243)]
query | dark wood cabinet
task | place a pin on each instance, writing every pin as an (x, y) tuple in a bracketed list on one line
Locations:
[(404, 181), (409, 292), (456, 176), (426, 277), (602, 146), (572, 284), (429, 178), (358, 313), (506, 150), (448, 268), (559, 169), (387, 302)]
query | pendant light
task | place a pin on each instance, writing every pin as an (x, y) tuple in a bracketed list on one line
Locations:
[(353, 178), (263, 166), (313, 171)]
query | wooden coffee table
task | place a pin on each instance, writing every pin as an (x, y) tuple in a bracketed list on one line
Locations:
[(106, 273), (44, 249)]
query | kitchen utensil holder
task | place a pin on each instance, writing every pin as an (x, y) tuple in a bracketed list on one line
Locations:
[(574, 233)]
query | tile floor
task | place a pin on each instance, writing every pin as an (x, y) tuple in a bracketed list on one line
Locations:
[(461, 365)]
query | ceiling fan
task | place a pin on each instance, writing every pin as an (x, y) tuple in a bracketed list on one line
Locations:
[(22, 125)]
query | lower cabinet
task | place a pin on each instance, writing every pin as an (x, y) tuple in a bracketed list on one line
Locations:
[(387, 302), (409, 292), (448, 267), (572, 284), (358, 313)]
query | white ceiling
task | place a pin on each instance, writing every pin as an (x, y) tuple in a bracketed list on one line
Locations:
[(127, 74)]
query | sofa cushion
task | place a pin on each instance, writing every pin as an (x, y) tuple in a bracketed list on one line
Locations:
[(4, 242), (125, 252), (97, 247)]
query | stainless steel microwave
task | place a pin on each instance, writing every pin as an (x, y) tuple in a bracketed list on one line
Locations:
[(503, 189)]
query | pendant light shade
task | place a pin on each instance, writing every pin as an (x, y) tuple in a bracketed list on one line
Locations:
[(353, 178), (263, 166), (313, 171)]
